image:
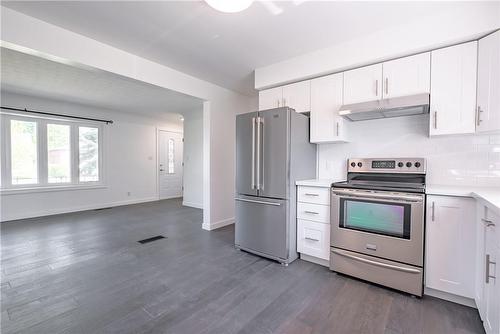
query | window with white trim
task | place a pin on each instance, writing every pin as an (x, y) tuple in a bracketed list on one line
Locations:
[(46, 152)]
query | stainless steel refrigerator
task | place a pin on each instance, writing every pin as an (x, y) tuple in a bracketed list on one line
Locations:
[(272, 152)]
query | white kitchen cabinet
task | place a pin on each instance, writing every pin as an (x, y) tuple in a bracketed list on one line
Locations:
[(313, 239), (298, 96), (313, 223), (326, 99), (450, 245), (487, 280), (453, 92), (488, 84), (363, 84), (406, 76), (271, 98)]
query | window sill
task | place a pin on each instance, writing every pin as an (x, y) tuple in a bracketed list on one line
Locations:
[(14, 191)]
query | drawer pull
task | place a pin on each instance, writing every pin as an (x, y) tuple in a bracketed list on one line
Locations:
[(312, 212), (312, 239), (488, 222), (311, 194)]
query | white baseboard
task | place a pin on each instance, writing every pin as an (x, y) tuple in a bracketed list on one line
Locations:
[(193, 205), (51, 212), (219, 224), (450, 297), (314, 259)]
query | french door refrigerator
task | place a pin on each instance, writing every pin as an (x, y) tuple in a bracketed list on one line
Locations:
[(272, 152)]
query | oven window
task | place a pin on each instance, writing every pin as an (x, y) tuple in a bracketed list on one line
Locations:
[(386, 218)]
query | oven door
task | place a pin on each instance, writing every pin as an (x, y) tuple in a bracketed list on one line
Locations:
[(383, 224)]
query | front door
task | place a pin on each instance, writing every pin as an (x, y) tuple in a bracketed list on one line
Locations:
[(170, 164)]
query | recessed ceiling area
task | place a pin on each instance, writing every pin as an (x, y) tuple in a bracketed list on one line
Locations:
[(223, 48), (31, 75)]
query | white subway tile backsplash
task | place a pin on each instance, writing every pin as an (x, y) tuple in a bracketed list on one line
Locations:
[(451, 160)]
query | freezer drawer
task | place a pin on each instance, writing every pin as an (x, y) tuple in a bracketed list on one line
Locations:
[(262, 226)]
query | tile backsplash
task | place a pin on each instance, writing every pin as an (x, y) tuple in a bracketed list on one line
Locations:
[(451, 160)]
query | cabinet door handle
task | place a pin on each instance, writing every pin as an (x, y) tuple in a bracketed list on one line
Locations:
[(312, 212), (488, 262), (479, 111), (435, 119), (311, 194), (386, 86), (433, 211), (337, 129), (487, 222), (312, 239), (278, 100), (376, 87)]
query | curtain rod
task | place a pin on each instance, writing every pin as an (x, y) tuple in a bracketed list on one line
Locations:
[(59, 115)]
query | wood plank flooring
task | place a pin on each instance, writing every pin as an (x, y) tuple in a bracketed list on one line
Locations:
[(86, 273)]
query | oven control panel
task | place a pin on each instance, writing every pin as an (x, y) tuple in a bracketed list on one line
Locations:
[(389, 165)]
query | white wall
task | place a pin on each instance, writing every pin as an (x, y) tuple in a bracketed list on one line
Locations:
[(467, 21), (452, 160), (27, 34), (129, 163), (193, 159)]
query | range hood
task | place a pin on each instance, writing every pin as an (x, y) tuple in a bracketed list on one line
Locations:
[(386, 108)]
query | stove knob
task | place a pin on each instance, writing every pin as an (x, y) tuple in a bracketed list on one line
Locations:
[(400, 164), (353, 164), (408, 164), (417, 164), (360, 164)]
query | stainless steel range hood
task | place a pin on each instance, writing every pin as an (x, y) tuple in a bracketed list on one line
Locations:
[(386, 108)]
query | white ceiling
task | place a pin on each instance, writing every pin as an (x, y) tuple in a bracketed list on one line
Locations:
[(31, 75), (225, 48)]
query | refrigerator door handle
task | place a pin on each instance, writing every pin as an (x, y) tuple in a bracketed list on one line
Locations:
[(258, 153), (258, 202), (253, 152)]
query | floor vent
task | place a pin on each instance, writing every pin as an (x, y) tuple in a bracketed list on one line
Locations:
[(145, 241), (103, 209)]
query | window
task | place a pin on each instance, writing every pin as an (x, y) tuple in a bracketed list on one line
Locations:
[(171, 156), (88, 143), (39, 152), (58, 153), (24, 159)]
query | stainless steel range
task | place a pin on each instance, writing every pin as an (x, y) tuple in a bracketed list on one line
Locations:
[(377, 222)]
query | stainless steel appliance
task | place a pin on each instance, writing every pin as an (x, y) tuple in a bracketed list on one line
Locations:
[(393, 107), (272, 152), (377, 217)]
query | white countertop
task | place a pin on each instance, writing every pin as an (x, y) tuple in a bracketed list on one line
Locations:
[(325, 183), (490, 195)]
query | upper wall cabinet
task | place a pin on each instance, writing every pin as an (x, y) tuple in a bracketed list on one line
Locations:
[(453, 91), (363, 84), (407, 76), (326, 98), (271, 98), (399, 77), (488, 83), (296, 96)]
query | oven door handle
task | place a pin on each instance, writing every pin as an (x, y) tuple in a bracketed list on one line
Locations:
[(376, 263), (401, 197)]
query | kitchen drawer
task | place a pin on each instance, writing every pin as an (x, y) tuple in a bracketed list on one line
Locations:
[(315, 195), (313, 239), (316, 212)]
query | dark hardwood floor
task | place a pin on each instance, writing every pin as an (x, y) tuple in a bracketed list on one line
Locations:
[(86, 273)]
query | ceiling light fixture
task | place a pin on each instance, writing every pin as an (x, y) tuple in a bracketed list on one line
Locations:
[(229, 6)]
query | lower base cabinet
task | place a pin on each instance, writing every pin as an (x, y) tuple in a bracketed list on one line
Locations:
[(488, 269), (450, 245), (313, 239)]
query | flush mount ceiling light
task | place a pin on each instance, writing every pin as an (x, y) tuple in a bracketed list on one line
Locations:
[(229, 6)]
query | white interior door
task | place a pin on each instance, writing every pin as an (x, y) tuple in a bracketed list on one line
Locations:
[(170, 164)]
